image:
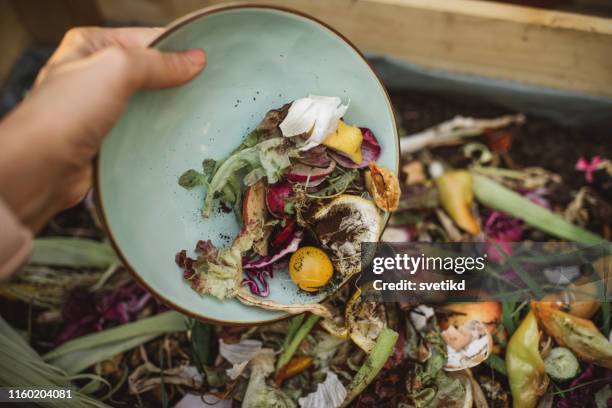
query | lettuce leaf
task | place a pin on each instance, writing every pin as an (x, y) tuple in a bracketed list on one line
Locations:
[(271, 155), (192, 178), (258, 393), (220, 271)]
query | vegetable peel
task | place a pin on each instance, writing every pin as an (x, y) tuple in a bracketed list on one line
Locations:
[(456, 197)]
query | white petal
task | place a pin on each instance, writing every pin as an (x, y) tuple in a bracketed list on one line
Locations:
[(236, 370), (192, 373), (329, 394), (239, 352), (316, 114), (300, 118), (239, 355)]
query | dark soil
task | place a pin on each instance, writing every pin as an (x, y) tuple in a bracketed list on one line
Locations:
[(539, 142)]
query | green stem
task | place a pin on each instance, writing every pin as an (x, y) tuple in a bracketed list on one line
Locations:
[(372, 366), (498, 172), (494, 195), (294, 341), (294, 325)]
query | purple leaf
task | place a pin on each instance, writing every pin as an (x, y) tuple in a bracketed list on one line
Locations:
[(291, 246)]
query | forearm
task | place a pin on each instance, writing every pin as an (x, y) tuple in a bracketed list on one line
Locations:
[(28, 183), (28, 173), (15, 242)]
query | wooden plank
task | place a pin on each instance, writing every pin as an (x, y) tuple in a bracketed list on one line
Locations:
[(14, 38), (48, 20), (554, 49)]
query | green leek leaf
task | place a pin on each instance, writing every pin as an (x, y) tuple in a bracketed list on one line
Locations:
[(73, 252), (494, 195), (76, 355)]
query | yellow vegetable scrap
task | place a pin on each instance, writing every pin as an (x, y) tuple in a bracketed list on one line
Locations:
[(346, 139), (456, 197), (384, 187), (526, 373)]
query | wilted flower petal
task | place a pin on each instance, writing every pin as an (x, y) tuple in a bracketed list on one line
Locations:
[(330, 394), (589, 166), (239, 352), (316, 114)]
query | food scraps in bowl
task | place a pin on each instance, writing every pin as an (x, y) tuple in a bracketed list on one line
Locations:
[(305, 189)]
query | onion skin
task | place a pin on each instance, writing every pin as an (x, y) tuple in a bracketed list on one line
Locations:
[(301, 173), (315, 157)]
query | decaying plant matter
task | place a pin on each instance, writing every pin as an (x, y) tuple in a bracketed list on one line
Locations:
[(462, 181)]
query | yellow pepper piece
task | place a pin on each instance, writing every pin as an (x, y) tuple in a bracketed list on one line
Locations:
[(456, 197), (346, 139), (294, 367), (526, 374)]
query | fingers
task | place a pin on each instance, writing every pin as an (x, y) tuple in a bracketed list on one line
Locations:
[(80, 42), (83, 41), (150, 68), (132, 37)]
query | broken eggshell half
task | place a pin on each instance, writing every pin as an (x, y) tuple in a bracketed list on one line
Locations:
[(467, 346)]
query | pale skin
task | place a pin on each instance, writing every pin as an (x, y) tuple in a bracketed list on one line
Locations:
[(48, 142)]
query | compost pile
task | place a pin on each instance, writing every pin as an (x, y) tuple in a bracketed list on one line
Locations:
[(468, 173)]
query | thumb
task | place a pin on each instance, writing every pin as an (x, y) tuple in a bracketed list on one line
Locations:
[(150, 68)]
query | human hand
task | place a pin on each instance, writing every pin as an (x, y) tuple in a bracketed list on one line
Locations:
[(48, 142)]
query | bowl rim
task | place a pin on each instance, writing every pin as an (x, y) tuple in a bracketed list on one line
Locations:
[(97, 194)]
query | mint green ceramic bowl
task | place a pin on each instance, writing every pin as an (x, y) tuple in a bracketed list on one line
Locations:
[(258, 58)]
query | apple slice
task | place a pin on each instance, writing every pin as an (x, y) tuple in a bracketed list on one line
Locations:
[(254, 211)]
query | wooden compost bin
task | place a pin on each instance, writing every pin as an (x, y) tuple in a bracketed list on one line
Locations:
[(557, 50)]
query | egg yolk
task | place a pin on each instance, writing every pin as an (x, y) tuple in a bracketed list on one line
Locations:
[(310, 268)]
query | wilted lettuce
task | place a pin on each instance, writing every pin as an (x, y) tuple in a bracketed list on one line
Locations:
[(271, 155), (259, 394)]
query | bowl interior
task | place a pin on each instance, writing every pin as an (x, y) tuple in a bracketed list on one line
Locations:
[(258, 59)]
